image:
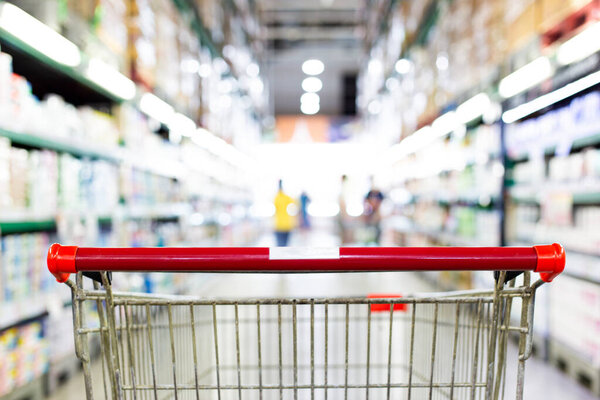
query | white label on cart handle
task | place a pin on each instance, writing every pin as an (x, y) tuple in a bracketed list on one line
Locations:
[(304, 253)]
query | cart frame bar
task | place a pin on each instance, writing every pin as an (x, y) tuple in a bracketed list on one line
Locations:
[(548, 260)]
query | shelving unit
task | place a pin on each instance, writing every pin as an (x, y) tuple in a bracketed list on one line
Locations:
[(547, 160), (106, 145)]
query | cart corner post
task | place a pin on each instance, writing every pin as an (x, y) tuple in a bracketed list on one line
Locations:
[(550, 261), (61, 261)]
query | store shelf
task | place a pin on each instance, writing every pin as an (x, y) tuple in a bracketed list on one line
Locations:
[(465, 201), (53, 77), (588, 139), (33, 390), (447, 238), (189, 10), (16, 312), (60, 145), (166, 167), (24, 222), (579, 198)]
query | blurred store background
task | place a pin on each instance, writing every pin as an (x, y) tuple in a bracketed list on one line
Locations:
[(392, 122)]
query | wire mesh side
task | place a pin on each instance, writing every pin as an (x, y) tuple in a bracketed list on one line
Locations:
[(423, 348)]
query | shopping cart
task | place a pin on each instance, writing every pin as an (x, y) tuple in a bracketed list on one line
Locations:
[(454, 345)]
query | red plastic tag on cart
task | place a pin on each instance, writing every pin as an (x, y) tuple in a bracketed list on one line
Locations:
[(386, 307)]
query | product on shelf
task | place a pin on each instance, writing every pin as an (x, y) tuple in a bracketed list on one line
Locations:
[(24, 355), (557, 129), (575, 317), (23, 266)]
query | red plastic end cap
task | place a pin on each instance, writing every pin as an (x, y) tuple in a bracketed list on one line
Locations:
[(61, 261), (550, 261), (386, 307)]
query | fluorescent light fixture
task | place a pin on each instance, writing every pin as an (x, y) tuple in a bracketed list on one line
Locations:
[(525, 77), (402, 66), (155, 108), (309, 108), (441, 62), (190, 65), (445, 124), (473, 108), (204, 70), (218, 147), (412, 143), (313, 67), (312, 84), (580, 46), (310, 98), (253, 70), (110, 79), (392, 84), (374, 67), (548, 99), (182, 124), (38, 35)]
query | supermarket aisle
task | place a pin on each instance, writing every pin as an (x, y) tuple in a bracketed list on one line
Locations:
[(542, 380)]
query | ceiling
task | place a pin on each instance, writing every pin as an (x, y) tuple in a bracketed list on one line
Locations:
[(294, 31)]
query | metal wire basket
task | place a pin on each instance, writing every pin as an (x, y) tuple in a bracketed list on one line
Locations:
[(452, 345)]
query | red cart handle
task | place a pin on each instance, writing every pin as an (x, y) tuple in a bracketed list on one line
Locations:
[(548, 260)]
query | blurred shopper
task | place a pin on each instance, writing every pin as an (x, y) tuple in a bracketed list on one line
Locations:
[(284, 216), (372, 213), (304, 202), (344, 219)]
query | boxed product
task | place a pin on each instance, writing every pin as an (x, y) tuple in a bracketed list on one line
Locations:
[(524, 19), (24, 355), (554, 11), (575, 317), (18, 170), (5, 193), (142, 49), (5, 85)]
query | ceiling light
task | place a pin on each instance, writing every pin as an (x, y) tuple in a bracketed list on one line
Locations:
[(580, 46), (155, 108), (110, 79), (525, 77), (38, 35), (312, 84), (403, 66), (473, 108), (252, 70), (309, 108), (550, 98), (313, 67), (310, 98)]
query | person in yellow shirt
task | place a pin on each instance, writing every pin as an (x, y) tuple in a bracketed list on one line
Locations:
[(285, 219)]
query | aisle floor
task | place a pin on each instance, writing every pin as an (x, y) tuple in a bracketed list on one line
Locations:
[(542, 381)]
